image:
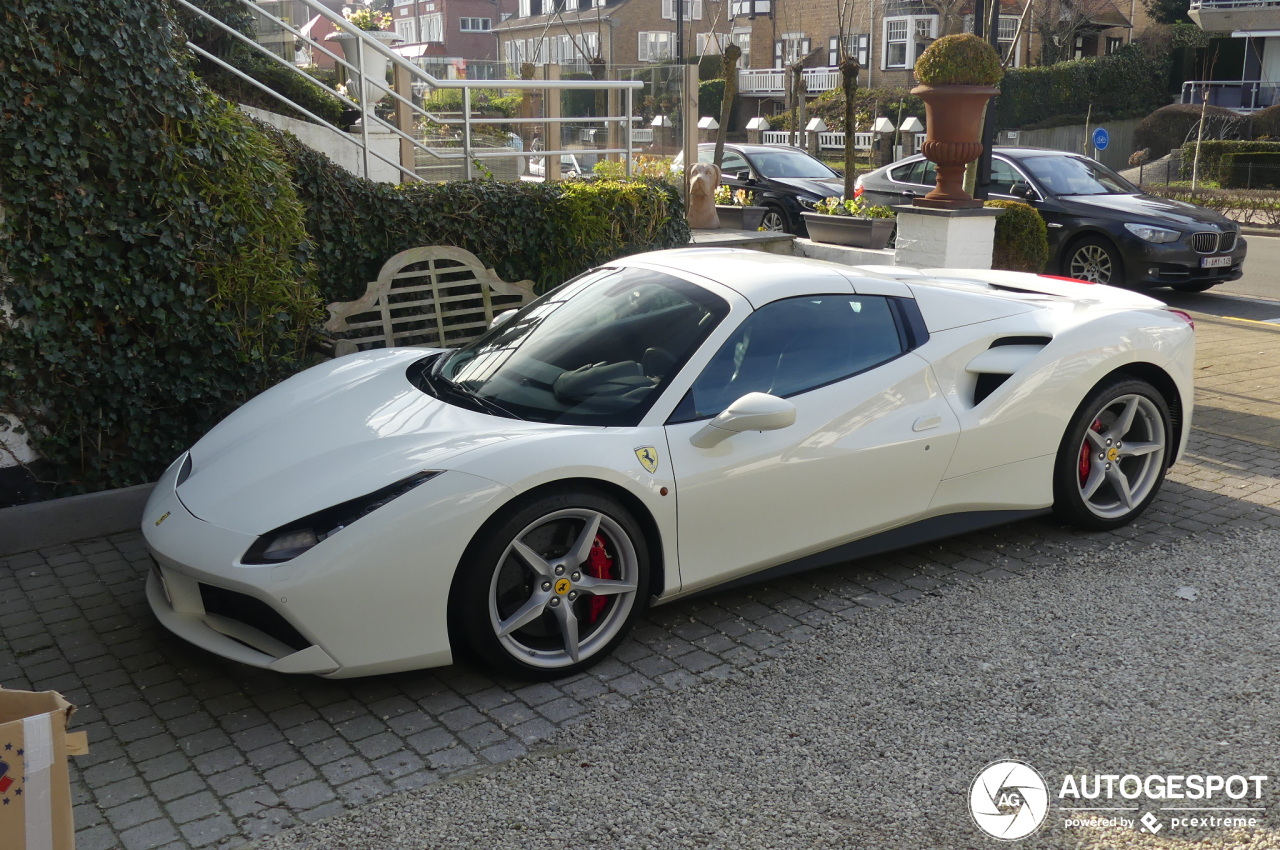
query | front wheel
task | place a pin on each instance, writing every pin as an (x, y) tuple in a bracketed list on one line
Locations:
[(1113, 457), (1095, 260), (554, 587), (774, 221)]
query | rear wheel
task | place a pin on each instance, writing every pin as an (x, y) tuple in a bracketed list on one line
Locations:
[(1113, 457), (554, 586), (1094, 259)]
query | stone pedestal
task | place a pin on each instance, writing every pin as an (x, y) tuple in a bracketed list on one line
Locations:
[(945, 239)]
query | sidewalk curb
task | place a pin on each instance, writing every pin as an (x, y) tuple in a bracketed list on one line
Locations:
[(1259, 231), (27, 527)]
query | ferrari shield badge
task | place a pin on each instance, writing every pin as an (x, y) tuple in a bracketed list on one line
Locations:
[(648, 457)]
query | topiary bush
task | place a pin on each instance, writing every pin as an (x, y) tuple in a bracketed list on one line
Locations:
[(963, 59), (1022, 239), (152, 250), (1172, 126)]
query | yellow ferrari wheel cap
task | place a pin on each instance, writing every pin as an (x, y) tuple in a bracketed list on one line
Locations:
[(563, 585), (1113, 454)]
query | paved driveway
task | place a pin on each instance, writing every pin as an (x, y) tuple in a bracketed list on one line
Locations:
[(191, 751)]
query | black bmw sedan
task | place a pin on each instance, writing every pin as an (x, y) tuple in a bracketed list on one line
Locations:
[(786, 180), (1101, 227)]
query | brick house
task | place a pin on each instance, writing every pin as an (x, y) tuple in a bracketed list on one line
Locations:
[(451, 38)]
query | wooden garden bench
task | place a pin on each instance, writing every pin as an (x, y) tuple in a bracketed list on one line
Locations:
[(435, 296)]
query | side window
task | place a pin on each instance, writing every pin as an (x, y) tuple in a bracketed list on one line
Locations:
[(733, 163), (793, 346), (1004, 178), (902, 173)]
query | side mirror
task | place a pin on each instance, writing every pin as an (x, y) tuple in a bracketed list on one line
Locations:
[(502, 318), (745, 176), (752, 412)]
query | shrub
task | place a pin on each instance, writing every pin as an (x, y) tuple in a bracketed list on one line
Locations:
[(1022, 239), (152, 248), (1170, 127), (1128, 82), (1251, 207), (1213, 152), (1259, 170), (963, 59), (546, 232)]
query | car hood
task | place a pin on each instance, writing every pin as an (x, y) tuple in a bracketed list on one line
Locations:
[(1147, 207), (823, 188), (333, 433)]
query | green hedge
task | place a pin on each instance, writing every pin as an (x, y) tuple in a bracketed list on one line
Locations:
[(1128, 82), (1250, 170), (545, 232), (152, 249), (1212, 154)]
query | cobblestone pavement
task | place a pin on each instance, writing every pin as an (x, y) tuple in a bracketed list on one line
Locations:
[(191, 751)]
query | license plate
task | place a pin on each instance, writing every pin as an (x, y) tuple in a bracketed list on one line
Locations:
[(1214, 262)]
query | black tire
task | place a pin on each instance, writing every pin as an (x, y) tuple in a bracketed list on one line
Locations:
[(1193, 287), (1108, 471), (775, 219), (533, 570), (1094, 259)]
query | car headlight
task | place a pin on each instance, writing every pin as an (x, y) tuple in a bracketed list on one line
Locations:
[(289, 541), (1152, 234), (808, 203)]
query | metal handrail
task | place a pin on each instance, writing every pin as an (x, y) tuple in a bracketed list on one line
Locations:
[(365, 42)]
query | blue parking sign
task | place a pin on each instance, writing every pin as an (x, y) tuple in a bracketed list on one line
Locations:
[(1101, 138)]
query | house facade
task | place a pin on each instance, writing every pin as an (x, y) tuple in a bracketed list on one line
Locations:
[(1255, 83), (451, 39), (624, 33)]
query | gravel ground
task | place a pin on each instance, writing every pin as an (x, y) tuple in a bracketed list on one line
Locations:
[(870, 734)]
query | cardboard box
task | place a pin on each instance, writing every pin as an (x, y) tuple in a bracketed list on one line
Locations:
[(35, 793)]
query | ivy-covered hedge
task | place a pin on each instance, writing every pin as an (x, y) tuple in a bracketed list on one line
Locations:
[(1131, 81), (152, 250), (545, 232), (1212, 154)]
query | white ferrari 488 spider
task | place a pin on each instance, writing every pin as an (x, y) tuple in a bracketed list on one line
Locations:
[(654, 427)]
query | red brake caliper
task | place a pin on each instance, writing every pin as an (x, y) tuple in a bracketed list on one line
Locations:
[(599, 565), (1086, 459)]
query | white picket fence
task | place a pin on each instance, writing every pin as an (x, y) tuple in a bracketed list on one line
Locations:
[(834, 140)]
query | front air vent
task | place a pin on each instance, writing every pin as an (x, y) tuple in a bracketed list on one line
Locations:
[(1214, 243), (252, 612), (1000, 361)]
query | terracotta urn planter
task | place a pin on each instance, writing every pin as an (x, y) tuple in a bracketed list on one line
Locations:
[(849, 230), (953, 139), (734, 217)]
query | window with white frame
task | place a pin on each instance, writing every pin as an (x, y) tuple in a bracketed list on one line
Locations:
[(1008, 46), (405, 30), (750, 8), (857, 46), (475, 24), (1114, 44), (432, 26), (741, 36), (905, 38), (656, 46), (692, 10), (712, 42), (790, 48)]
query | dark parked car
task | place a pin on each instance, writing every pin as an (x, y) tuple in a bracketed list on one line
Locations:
[(1101, 227), (786, 180)]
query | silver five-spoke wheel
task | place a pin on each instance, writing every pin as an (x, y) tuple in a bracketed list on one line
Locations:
[(1114, 456), (555, 586)]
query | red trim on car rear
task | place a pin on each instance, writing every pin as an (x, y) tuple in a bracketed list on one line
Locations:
[(1184, 316), (1067, 279)]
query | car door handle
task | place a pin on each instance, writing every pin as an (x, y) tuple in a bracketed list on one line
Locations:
[(925, 423)]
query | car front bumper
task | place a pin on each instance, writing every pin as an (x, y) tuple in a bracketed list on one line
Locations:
[(366, 601), (1152, 264)]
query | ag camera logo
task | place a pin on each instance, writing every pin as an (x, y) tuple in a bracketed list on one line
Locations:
[(1008, 800)]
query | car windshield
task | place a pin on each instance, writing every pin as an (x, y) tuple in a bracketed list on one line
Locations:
[(1071, 175), (783, 163), (598, 350)]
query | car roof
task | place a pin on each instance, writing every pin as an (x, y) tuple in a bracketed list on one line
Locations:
[(762, 277), (752, 148)]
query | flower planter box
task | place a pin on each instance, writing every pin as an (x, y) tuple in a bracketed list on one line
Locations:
[(733, 217), (849, 230)]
